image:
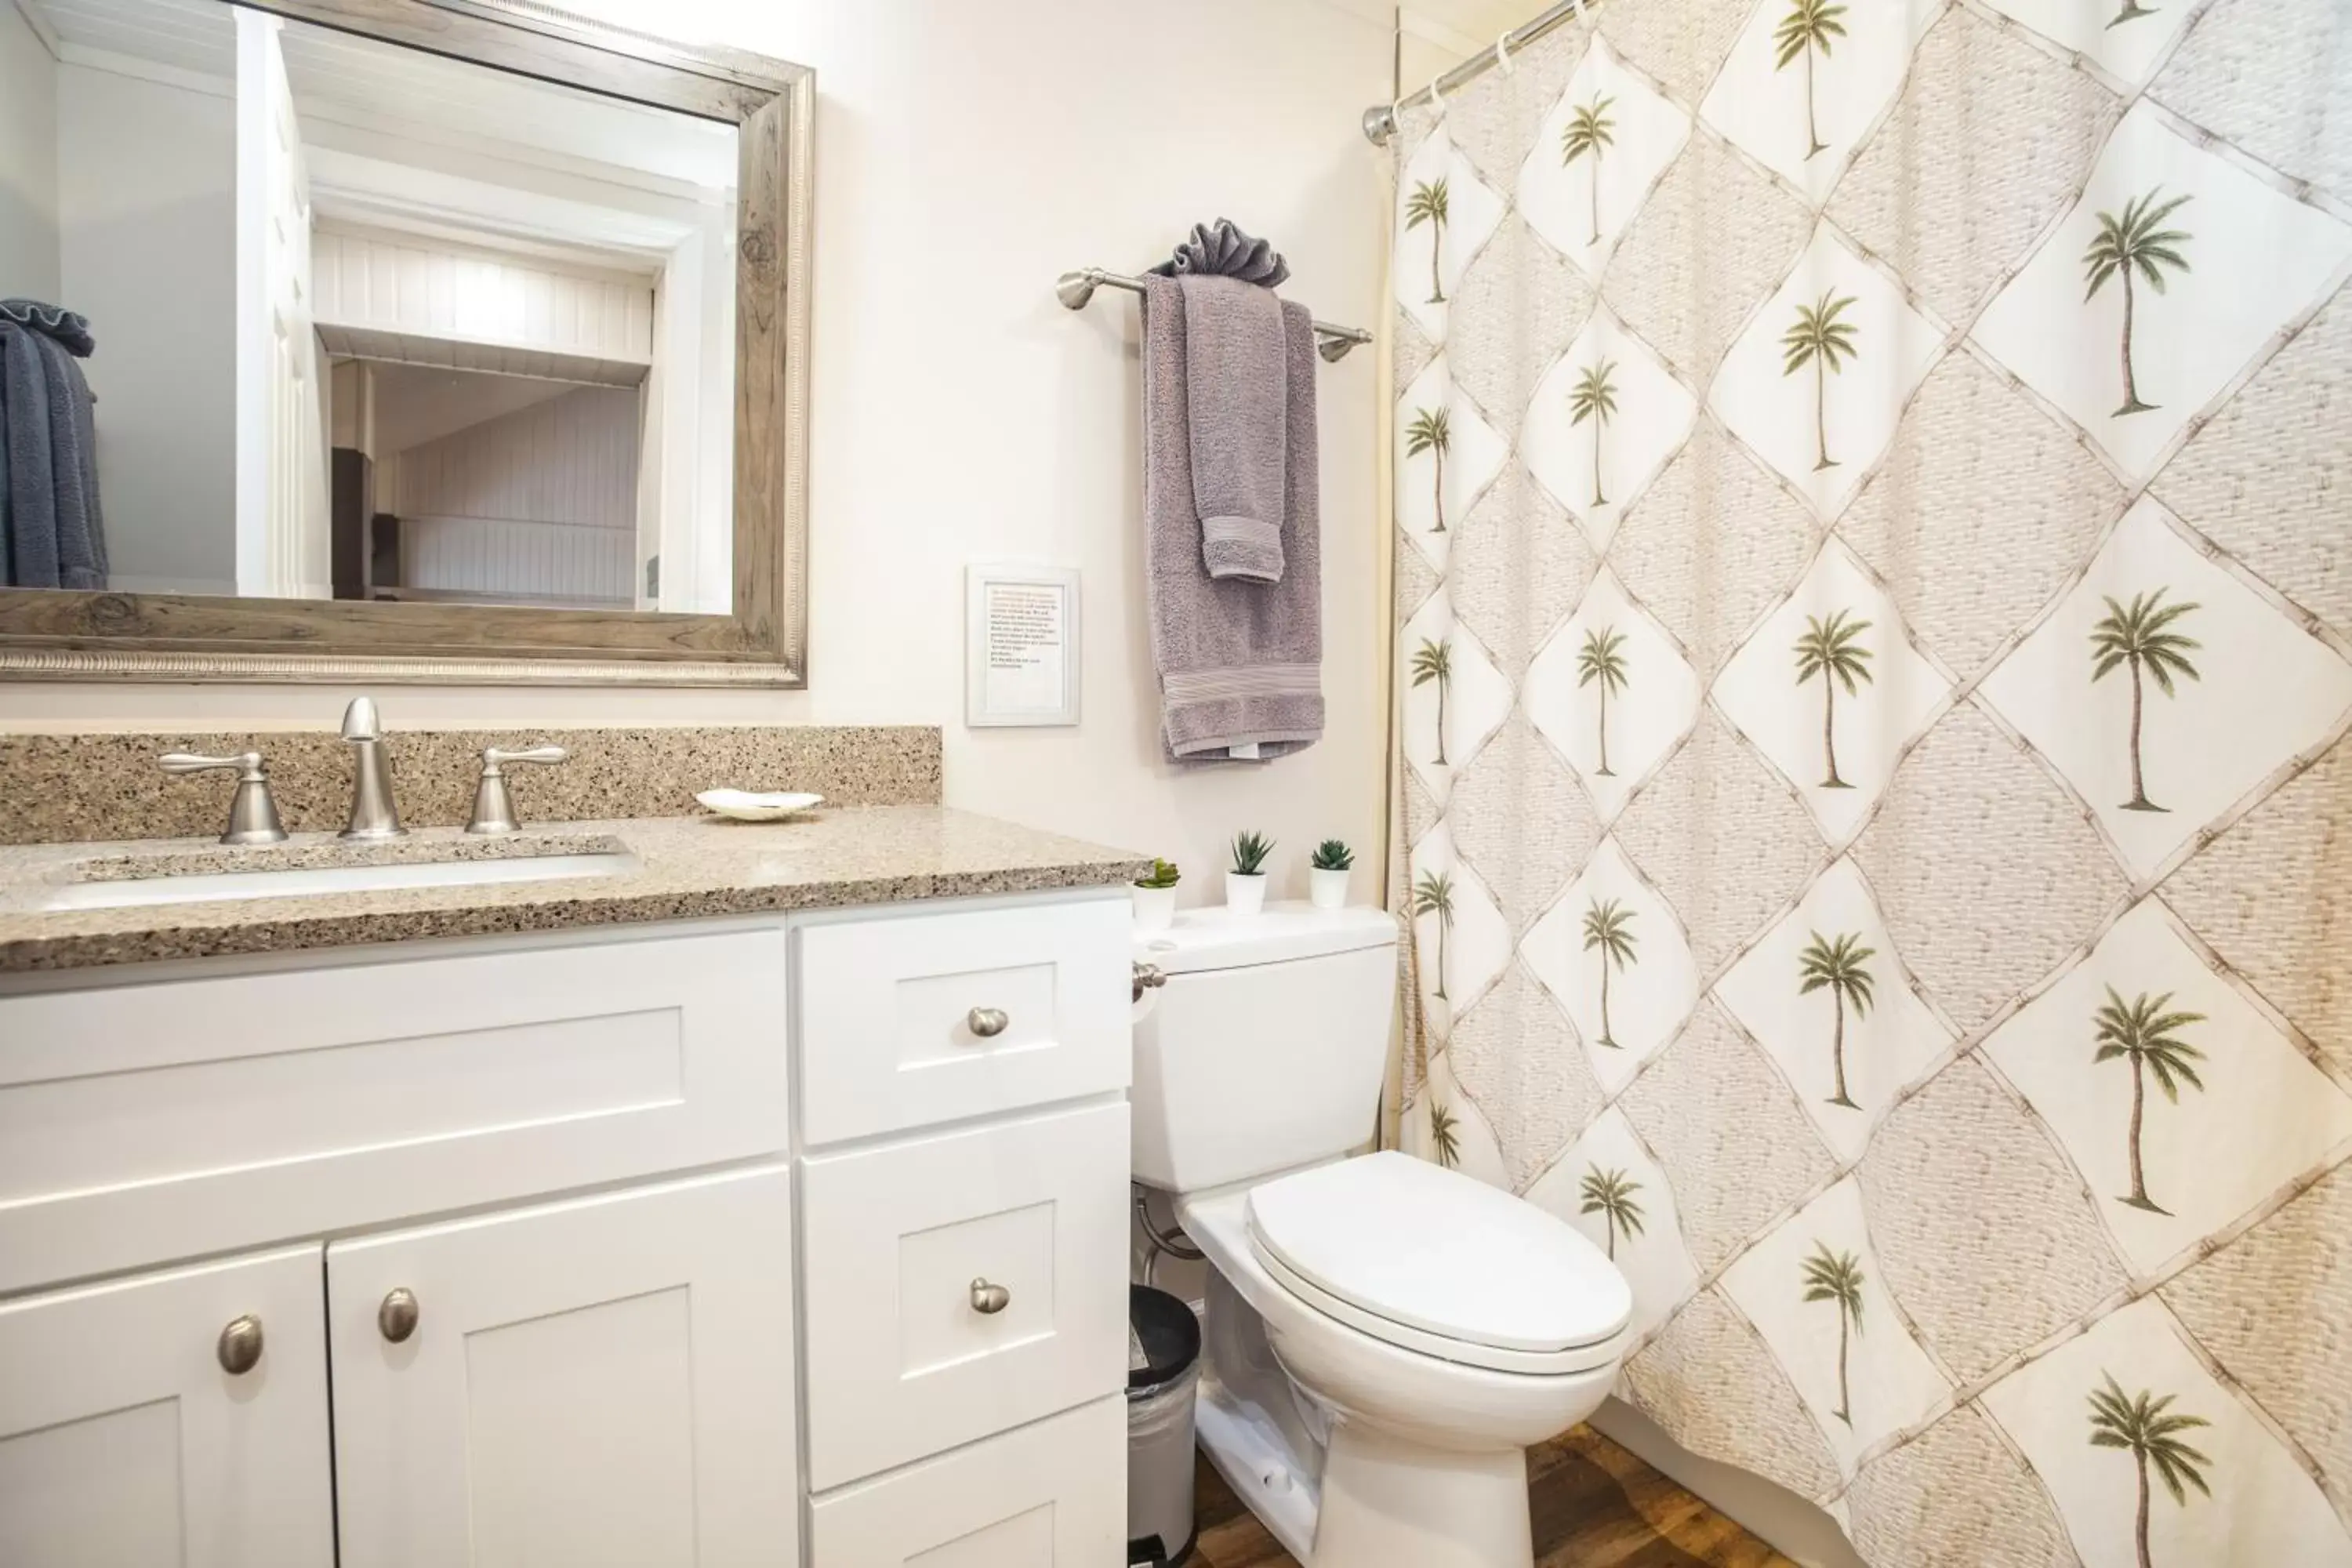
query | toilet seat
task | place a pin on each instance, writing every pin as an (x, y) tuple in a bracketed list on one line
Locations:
[(1430, 1261)]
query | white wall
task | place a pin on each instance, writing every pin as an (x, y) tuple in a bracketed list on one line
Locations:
[(28, 162), (966, 155), (147, 198)]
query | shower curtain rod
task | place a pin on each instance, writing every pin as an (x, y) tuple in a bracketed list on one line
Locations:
[(1381, 120), (1074, 288)]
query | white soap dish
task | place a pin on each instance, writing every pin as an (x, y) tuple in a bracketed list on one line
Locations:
[(749, 805)]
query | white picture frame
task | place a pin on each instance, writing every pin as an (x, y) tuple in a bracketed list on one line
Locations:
[(1021, 644)]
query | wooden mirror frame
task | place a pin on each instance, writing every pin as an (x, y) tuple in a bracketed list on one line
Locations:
[(65, 635)]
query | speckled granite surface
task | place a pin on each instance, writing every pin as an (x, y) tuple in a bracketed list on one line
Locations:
[(686, 868), (55, 788)]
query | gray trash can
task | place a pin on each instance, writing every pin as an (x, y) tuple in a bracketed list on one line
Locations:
[(1163, 1374)]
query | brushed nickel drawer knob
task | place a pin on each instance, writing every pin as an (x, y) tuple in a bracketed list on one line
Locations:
[(396, 1319), (987, 1021), (989, 1300), (240, 1345)]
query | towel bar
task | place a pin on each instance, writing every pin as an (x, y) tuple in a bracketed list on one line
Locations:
[(1076, 288)]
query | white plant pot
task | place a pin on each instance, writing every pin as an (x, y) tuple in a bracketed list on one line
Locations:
[(1244, 895), (1155, 908), (1327, 888)]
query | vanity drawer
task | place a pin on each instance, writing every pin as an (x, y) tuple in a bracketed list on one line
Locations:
[(144, 1122), (894, 1243), (892, 1010), (1052, 1495)]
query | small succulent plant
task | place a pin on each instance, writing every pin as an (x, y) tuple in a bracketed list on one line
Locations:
[(1164, 874), (1332, 854), (1250, 850)]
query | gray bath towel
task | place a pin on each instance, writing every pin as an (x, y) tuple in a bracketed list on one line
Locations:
[(1240, 662), (51, 534), (1237, 395)]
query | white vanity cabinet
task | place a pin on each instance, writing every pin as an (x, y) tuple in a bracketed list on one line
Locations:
[(761, 1241)]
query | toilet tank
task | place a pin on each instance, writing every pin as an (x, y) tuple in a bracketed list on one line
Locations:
[(1266, 1047)]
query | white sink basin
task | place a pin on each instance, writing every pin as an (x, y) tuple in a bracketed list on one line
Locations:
[(306, 882)]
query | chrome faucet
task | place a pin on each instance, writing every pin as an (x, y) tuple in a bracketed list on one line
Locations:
[(373, 814)]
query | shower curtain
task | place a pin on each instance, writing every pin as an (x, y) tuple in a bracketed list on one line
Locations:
[(1874, 637)]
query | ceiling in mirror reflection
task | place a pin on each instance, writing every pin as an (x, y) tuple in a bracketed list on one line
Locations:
[(341, 76)]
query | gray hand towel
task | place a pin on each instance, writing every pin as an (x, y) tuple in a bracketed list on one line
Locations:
[(1240, 662), (1237, 397)]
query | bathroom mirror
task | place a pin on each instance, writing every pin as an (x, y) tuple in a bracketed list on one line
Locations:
[(431, 340)]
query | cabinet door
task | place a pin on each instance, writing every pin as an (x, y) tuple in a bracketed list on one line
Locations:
[(603, 1381), (126, 1441)]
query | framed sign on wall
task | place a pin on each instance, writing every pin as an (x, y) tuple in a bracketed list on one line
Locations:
[(1021, 644)]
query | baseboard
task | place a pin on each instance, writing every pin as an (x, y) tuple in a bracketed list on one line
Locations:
[(1786, 1521)]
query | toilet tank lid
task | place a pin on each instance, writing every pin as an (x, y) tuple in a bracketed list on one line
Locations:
[(1217, 939)]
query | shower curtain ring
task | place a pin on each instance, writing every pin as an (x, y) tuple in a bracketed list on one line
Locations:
[(1503, 53)]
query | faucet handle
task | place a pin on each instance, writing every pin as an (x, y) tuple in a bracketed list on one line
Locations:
[(192, 763), (252, 810), (493, 806), (494, 757)]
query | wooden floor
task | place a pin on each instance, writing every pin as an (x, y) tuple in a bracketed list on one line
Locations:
[(1594, 1505)]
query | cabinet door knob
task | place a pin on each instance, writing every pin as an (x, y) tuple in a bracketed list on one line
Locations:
[(396, 1319), (989, 1300), (986, 1022), (240, 1345)]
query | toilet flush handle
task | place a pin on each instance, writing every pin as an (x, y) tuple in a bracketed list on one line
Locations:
[(1148, 977)]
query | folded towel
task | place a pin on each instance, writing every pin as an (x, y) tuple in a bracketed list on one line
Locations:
[(1225, 251), (69, 327), (1240, 662), (51, 533), (1236, 391)]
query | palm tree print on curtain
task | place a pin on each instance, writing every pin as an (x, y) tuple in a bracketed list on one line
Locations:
[(1433, 661), (1610, 1194), (1836, 1277), (1433, 894), (1840, 968), (2141, 1032), (1432, 431), (1444, 1141), (1589, 132), (1808, 28), (2140, 636), (1594, 397), (1427, 205), (2132, 242), (2149, 1430), (1609, 931), (2132, 11), (1601, 663), (1818, 338), (1832, 650)]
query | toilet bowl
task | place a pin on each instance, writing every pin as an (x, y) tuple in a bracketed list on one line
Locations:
[(1384, 1338)]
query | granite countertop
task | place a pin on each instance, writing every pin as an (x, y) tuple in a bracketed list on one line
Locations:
[(683, 867)]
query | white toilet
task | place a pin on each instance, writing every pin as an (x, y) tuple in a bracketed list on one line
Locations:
[(1384, 1337)]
